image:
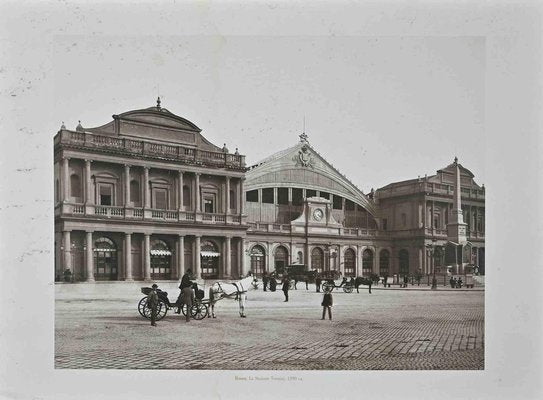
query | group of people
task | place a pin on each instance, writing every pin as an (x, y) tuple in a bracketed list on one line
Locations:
[(455, 283), (327, 300), (186, 297)]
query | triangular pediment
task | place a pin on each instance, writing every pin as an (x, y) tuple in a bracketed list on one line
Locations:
[(302, 166)]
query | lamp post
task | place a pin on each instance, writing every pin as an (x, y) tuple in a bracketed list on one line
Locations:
[(431, 250)]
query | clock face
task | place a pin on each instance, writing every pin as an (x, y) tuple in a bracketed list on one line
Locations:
[(318, 214)]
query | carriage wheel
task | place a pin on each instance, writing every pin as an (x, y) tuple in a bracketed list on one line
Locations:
[(142, 305), (348, 289), (327, 287), (161, 311), (184, 310), (199, 311)]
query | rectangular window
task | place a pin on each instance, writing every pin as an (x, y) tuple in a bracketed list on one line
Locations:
[(349, 205), (252, 196), (297, 197), (282, 195), (310, 193), (267, 195), (106, 194), (338, 203), (209, 205), (325, 195), (160, 197)]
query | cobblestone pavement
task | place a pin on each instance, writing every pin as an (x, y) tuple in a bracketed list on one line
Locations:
[(98, 326)]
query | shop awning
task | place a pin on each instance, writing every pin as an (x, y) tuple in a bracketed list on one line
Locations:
[(161, 253), (209, 254)]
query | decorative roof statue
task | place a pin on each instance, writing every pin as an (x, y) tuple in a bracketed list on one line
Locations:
[(456, 160), (79, 128), (62, 126), (158, 103), (237, 152), (303, 138), (224, 148)]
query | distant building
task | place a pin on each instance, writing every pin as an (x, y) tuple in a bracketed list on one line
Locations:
[(146, 197), (300, 209)]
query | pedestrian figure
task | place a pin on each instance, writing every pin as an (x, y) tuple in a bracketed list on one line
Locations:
[(265, 281), (451, 282), (405, 280), (455, 283), (327, 302), (185, 282), (152, 303), (273, 283), (285, 283), (459, 283), (318, 283), (188, 300)]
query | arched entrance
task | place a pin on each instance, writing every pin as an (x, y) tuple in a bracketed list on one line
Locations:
[(280, 258), (317, 259), (258, 260), (161, 258), (210, 257), (404, 262), (350, 262), (384, 262), (105, 260), (367, 262)]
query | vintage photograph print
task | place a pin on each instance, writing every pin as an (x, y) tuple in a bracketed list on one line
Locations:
[(269, 202)]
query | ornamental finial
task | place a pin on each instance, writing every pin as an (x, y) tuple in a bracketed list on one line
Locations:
[(62, 126), (158, 102), (303, 138)]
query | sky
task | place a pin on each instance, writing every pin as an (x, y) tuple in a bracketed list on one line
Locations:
[(381, 109)]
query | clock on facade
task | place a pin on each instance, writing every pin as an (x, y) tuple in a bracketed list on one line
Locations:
[(318, 214)]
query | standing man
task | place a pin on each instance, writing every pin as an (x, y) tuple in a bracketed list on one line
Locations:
[(152, 303), (185, 282), (265, 280), (188, 299), (285, 283)]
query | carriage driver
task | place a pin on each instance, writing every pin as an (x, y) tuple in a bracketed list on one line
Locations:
[(152, 302), (185, 282)]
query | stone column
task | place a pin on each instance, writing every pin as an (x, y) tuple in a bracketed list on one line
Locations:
[(67, 250), (128, 257), (89, 257), (228, 255), (242, 268), (197, 199), (89, 198), (180, 256), (126, 185), (227, 196), (65, 179), (376, 261), (180, 190), (241, 197), (341, 257), (432, 218), (197, 260), (358, 268), (147, 257), (146, 191)]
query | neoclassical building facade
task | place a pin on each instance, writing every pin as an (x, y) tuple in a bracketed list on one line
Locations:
[(146, 197)]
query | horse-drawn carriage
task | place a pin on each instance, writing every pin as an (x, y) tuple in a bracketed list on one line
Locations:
[(296, 273), (198, 310), (330, 284), (235, 290)]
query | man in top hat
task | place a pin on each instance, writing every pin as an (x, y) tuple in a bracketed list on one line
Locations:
[(152, 303), (185, 282)]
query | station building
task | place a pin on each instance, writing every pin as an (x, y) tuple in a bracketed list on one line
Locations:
[(146, 197)]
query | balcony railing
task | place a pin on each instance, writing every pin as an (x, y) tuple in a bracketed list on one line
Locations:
[(144, 148), (132, 213)]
